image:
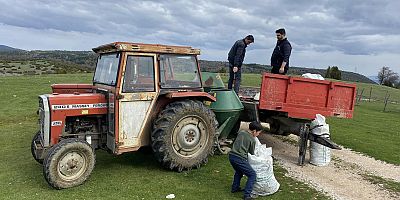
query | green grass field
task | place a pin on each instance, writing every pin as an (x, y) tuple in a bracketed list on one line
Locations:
[(378, 92), (128, 176), (371, 131)]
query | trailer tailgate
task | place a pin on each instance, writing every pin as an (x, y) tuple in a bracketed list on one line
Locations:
[(303, 97)]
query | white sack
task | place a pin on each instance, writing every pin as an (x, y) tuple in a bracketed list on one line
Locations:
[(320, 155), (257, 96), (313, 76), (261, 162)]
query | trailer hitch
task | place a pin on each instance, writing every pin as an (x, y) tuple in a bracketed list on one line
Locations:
[(306, 135), (323, 141)]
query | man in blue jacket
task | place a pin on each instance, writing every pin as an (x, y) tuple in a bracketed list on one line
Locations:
[(244, 144), (235, 58), (280, 55)]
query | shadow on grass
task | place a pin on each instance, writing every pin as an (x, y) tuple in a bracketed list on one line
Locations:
[(143, 158), (31, 172)]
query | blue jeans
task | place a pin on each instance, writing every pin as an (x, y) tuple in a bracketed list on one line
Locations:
[(234, 78), (242, 166)]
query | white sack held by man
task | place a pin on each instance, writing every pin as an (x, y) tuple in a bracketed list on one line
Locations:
[(261, 162)]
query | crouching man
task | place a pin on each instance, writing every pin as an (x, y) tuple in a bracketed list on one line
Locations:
[(244, 144)]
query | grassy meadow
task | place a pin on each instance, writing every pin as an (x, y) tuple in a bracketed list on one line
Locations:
[(371, 131), (138, 176), (129, 176)]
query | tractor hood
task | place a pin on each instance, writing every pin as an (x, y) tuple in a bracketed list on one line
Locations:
[(78, 104)]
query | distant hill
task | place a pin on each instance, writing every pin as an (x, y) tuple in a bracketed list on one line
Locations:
[(71, 61), (4, 48), (16, 63), (83, 59)]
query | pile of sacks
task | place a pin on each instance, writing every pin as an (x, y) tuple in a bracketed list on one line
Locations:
[(261, 162)]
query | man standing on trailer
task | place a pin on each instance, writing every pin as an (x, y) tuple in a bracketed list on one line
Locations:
[(235, 58), (280, 55)]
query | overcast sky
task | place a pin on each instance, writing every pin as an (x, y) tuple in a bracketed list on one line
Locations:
[(357, 35)]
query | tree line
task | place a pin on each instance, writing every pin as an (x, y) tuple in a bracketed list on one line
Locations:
[(75, 61)]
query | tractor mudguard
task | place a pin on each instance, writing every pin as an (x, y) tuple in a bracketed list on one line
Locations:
[(199, 95)]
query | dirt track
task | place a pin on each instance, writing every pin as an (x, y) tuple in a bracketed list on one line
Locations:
[(341, 179)]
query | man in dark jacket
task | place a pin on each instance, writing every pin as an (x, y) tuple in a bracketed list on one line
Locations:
[(280, 55), (244, 144), (235, 58)]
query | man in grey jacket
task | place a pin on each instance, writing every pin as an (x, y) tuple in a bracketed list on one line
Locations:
[(235, 58), (244, 144)]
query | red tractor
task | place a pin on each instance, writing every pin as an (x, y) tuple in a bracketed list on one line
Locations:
[(142, 94)]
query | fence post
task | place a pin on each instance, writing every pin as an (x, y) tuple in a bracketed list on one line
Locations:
[(370, 94), (386, 101), (359, 97), (357, 94)]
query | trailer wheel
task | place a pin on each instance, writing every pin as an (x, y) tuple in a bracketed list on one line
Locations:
[(69, 163), (33, 144), (183, 135)]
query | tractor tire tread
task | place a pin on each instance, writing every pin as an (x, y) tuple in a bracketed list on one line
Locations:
[(54, 154), (40, 161), (166, 120)]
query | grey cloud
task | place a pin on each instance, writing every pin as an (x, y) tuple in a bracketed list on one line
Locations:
[(352, 27)]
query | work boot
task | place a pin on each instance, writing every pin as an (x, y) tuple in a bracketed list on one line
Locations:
[(238, 190), (250, 197)]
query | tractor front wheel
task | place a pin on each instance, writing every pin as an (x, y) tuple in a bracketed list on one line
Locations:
[(69, 163), (184, 134)]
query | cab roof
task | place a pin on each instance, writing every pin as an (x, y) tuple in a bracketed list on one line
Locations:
[(149, 48)]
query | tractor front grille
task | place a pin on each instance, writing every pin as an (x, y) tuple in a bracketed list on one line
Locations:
[(44, 120), (41, 116)]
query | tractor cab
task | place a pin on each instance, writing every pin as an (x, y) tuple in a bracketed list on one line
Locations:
[(133, 76)]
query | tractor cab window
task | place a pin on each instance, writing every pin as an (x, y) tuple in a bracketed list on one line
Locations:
[(106, 69), (139, 74), (179, 71)]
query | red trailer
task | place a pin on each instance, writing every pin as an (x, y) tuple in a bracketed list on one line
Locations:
[(289, 104), (303, 97)]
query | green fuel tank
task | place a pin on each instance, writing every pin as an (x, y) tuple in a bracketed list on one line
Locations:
[(227, 108)]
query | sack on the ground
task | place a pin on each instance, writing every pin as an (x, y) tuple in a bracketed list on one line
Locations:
[(261, 162), (320, 155)]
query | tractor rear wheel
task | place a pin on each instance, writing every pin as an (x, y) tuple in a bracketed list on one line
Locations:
[(184, 134), (33, 151), (69, 163)]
